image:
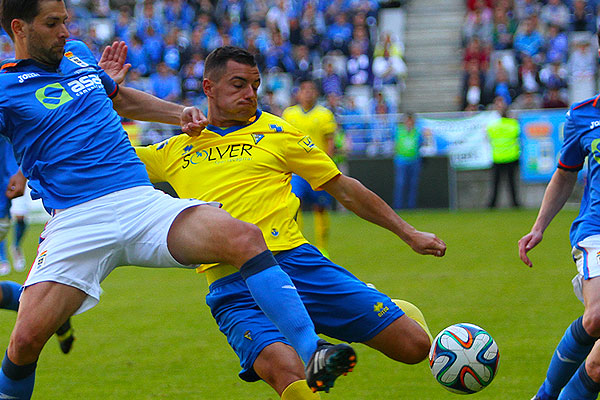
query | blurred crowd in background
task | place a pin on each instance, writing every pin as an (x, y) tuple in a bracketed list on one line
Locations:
[(535, 54)]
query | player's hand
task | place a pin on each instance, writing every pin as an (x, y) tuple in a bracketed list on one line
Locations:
[(113, 61), (16, 185), (427, 243), (527, 243), (193, 121)]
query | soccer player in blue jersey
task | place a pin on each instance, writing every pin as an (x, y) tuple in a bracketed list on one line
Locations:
[(59, 110), (574, 371), (245, 159), (13, 183)]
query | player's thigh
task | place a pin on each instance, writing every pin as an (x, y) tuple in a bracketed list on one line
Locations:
[(247, 328), (340, 305), (206, 234), (591, 296)]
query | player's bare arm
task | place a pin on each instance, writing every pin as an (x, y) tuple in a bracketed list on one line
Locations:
[(16, 185), (357, 198), (558, 191)]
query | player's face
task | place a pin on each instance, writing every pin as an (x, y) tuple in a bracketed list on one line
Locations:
[(235, 93), (46, 35), (307, 94)]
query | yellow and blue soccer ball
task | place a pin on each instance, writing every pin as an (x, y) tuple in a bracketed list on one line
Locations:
[(464, 358)]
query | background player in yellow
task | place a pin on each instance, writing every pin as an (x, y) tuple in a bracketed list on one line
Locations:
[(319, 123), (245, 159)]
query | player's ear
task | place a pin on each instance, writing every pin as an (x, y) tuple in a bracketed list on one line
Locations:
[(18, 27), (208, 87)]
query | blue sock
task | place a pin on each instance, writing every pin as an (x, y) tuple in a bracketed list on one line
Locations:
[(16, 381), (20, 227), (3, 251), (580, 387), (573, 348), (271, 288), (11, 291)]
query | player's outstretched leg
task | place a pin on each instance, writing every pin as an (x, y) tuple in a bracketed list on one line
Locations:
[(65, 336), (4, 264), (327, 363), (580, 387), (572, 349), (413, 312)]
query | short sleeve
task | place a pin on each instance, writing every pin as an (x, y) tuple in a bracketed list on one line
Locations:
[(307, 160), (572, 154), (154, 158)]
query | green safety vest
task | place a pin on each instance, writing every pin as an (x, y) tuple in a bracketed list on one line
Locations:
[(407, 143), (504, 138)]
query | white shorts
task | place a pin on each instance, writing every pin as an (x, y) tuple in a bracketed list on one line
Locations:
[(81, 245), (4, 226), (586, 255)]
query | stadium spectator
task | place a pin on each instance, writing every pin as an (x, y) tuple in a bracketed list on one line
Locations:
[(500, 85), (358, 66), (582, 70), (527, 101), (388, 70), (529, 41), (152, 45), (582, 17), (277, 18), (555, 12), (124, 27), (478, 22), (505, 27), (557, 45), (504, 139), (553, 99), (473, 84), (332, 82), (554, 75), (529, 76), (477, 52), (165, 84), (360, 36), (304, 67), (526, 8), (339, 34), (279, 55)]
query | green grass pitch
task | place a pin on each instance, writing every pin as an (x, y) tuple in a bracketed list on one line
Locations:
[(152, 336)]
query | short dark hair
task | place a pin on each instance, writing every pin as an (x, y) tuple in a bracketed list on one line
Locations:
[(26, 10), (215, 62)]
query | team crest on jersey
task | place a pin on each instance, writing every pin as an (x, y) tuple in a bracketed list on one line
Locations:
[(74, 59), (306, 143), (248, 335), (257, 137), (274, 232), (188, 148), (598, 257)]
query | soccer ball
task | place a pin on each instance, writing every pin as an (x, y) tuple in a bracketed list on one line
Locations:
[(464, 358)]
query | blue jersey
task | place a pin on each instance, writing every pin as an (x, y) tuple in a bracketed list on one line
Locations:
[(8, 167), (582, 139), (67, 138)]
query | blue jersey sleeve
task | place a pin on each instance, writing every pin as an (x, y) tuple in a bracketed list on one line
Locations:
[(572, 153)]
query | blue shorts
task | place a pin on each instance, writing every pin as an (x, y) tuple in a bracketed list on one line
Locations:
[(340, 305), (302, 189)]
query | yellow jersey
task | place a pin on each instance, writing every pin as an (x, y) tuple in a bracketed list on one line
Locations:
[(246, 168), (318, 122)]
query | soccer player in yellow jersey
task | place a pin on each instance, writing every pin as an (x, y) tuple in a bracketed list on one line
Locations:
[(319, 123), (244, 159)]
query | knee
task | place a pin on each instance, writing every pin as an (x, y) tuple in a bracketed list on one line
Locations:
[(26, 343), (592, 367), (246, 240), (418, 351), (591, 322)]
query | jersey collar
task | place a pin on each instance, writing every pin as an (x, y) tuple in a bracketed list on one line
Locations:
[(225, 131)]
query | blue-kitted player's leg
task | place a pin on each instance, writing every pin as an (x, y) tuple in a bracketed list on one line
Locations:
[(4, 264), (571, 351)]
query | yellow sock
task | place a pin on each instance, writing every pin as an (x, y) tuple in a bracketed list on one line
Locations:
[(299, 390), (322, 231), (414, 313)]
